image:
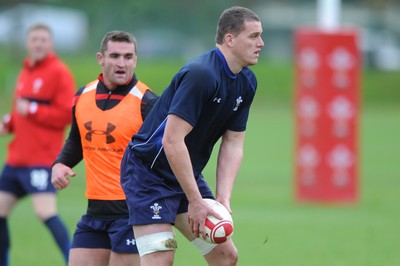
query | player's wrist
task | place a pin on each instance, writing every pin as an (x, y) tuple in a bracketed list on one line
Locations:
[(193, 197), (5, 124)]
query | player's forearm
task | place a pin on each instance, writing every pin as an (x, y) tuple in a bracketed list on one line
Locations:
[(71, 154), (178, 157), (229, 161), (51, 116), (179, 161)]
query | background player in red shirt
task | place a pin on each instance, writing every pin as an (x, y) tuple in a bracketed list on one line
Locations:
[(40, 114), (106, 113)]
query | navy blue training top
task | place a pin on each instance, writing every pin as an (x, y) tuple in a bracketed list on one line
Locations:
[(207, 95)]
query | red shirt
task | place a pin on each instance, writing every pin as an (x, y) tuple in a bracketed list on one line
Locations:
[(39, 136)]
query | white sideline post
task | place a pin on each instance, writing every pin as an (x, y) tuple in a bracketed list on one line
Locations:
[(328, 14)]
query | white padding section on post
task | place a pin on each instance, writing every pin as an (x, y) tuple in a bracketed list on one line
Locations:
[(163, 241)]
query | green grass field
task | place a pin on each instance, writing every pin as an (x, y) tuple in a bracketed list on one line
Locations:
[(271, 228)]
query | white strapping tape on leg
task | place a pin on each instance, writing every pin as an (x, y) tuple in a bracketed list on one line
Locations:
[(163, 241), (202, 246)]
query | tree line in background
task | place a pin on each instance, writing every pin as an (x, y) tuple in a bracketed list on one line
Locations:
[(189, 17)]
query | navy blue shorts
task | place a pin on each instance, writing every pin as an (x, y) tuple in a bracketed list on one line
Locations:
[(115, 234), (21, 181), (153, 199)]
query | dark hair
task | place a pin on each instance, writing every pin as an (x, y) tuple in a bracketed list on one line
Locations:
[(39, 26), (117, 36), (232, 21)]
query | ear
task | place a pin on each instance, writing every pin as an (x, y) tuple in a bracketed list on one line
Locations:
[(134, 65), (228, 39), (100, 58)]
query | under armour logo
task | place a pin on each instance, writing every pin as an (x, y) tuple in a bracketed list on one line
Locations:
[(218, 100), (109, 137), (130, 242)]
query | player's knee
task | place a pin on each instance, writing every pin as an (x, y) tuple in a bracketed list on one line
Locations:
[(44, 215), (163, 241), (223, 254), (231, 256), (43, 212)]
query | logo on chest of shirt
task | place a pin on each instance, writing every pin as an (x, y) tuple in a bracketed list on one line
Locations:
[(107, 133), (37, 84), (239, 100)]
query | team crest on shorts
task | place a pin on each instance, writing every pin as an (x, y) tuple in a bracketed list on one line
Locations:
[(156, 211)]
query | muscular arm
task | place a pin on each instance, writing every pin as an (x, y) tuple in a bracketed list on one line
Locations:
[(178, 156), (229, 160), (179, 160)]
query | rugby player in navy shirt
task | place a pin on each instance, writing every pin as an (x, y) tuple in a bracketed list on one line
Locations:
[(208, 99)]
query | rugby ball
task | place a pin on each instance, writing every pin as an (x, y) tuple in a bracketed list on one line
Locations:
[(218, 231)]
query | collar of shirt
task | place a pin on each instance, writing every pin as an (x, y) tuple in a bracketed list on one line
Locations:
[(49, 57), (122, 89), (228, 72)]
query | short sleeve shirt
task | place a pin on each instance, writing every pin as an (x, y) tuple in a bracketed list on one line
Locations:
[(207, 95)]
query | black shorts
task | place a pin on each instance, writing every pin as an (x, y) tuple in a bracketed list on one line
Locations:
[(114, 234), (152, 199), (21, 181)]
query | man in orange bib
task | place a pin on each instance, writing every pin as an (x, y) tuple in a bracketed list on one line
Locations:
[(106, 113)]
